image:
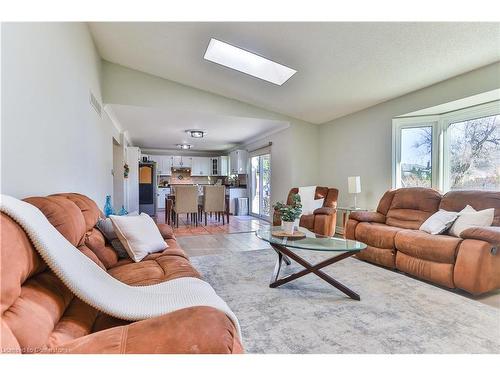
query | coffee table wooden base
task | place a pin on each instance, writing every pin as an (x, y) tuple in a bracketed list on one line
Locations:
[(285, 253)]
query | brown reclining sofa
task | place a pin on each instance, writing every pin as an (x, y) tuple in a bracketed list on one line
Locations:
[(322, 220), (394, 240), (39, 314)]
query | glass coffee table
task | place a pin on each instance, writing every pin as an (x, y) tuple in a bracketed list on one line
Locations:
[(286, 249)]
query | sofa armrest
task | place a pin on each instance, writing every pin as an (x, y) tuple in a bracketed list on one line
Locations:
[(196, 330), (166, 231), (487, 234), (325, 211), (367, 216)]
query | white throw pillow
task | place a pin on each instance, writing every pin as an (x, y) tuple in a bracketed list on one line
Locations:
[(307, 194), (439, 222), (139, 235), (469, 217), (318, 203)]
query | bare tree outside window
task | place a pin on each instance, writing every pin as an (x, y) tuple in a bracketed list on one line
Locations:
[(474, 153), (416, 157)]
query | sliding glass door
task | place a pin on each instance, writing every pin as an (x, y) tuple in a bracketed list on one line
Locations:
[(260, 189)]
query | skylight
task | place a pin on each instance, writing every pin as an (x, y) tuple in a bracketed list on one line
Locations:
[(247, 62)]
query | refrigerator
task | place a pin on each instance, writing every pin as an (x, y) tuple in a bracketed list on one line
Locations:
[(147, 188)]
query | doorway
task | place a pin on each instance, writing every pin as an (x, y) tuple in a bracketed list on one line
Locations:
[(260, 189)]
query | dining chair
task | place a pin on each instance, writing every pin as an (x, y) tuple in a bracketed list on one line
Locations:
[(186, 202), (214, 201)]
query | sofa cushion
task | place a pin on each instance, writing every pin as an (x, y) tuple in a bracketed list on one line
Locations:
[(477, 270), (87, 206), (422, 245), (385, 202), (95, 241), (410, 207), (307, 221), (436, 272), (376, 234), (479, 200), (77, 321), (37, 308), (488, 234), (367, 216), (168, 265), (195, 330), (64, 215), (382, 257), (166, 231)]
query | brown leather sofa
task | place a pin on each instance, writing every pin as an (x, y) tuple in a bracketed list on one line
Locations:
[(39, 314), (324, 219), (394, 240)]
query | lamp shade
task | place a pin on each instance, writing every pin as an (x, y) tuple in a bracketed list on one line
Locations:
[(354, 184)]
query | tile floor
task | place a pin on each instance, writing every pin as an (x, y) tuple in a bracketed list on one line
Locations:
[(237, 224)]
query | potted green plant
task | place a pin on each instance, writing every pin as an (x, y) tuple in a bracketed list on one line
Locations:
[(289, 213)]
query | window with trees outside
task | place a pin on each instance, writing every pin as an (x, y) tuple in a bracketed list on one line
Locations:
[(459, 150)]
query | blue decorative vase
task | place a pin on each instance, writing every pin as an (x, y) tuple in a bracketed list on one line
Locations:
[(108, 208), (123, 211)]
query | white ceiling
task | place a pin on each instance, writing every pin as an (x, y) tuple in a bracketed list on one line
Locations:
[(154, 128), (342, 67)]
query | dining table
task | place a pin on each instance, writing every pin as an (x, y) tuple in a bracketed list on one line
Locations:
[(170, 201)]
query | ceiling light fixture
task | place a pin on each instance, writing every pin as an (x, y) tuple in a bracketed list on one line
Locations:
[(247, 62), (196, 133), (184, 146)]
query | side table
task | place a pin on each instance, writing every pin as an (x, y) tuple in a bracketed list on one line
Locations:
[(346, 211)]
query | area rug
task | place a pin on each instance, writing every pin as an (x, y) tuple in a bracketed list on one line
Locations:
[(396, 314)]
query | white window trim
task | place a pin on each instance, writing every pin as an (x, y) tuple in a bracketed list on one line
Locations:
[(406, 123), (440, 124)]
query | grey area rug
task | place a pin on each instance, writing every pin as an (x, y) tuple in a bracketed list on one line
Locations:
[(396, 314)]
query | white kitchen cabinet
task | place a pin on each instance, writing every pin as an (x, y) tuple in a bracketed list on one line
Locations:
[(176, 161), (163, 164), (181, 161), (166, 165), (214, 166), (224, 165), (156, 159), (161, 195), (238, 162), (200, 166), (218, 166)]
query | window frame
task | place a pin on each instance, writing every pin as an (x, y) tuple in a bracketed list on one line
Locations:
[(440, 140), (408, 123)]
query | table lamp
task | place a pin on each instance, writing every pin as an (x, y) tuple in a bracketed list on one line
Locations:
[(354, 185)]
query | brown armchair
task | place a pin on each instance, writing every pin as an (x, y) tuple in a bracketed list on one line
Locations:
[(323, 219)]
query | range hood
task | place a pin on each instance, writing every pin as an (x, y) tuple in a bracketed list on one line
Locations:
[(180, 169)]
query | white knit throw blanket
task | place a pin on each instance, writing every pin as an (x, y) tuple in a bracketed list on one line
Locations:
[(96, 287)]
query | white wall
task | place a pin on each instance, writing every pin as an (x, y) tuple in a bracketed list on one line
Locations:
[(118, 178), (294, 159), (52, 139), (360, 144)]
